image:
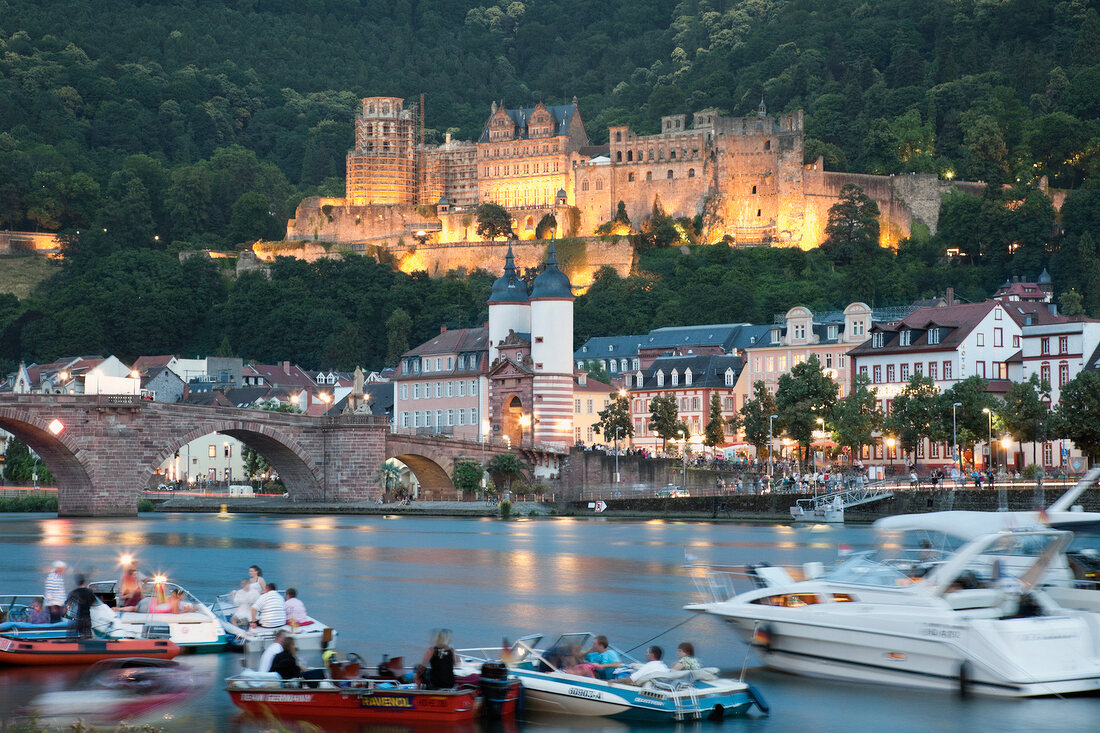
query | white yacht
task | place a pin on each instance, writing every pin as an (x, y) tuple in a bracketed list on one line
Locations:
[(965, 621), (190, 623)]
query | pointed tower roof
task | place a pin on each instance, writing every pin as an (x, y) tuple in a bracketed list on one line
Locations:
[(509, 288), (552, 282), (1045, 278)]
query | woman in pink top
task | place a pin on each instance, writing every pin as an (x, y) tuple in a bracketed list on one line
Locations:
[(295, 609)]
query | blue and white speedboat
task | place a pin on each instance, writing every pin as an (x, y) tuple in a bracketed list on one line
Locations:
[(672, 696), (15, 611)]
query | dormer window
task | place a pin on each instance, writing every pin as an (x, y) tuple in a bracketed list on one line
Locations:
[(833, 332), (687, 377), (933, 335), (905, 337), (320, 378), (660, 378), (775, 335), (729, 377), (800, 332), (857, 328), (638, 380), (876, 340), (675, 377)]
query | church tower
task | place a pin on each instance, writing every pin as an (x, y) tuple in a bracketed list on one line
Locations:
[(552, 353)]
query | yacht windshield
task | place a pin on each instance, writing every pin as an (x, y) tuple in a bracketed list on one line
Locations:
[(869, 568)]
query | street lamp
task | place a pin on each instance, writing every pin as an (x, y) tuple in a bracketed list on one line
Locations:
[(684, 476), (955, 436), (34, 475), (989, 412), (821, 422), (890, 443), (771, 448), (618, 429)]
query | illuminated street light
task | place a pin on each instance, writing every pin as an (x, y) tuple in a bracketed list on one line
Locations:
[(56, 426)]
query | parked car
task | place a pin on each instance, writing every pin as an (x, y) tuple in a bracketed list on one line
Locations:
[(672, 491)]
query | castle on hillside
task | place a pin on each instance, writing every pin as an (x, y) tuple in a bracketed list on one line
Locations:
[(744, 175)]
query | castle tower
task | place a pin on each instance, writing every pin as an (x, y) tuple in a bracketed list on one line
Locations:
[(382, 168), (509, 307), (552, 353)]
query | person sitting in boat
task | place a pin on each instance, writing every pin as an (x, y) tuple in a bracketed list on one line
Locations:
[(438, 666), (654, 666), (603, 657), (129, 590), (83, 599), (176, 604), (243, 598), (275, 648), (38, 613), (295, 609), (269, 610), (686, 657), (285, 663)]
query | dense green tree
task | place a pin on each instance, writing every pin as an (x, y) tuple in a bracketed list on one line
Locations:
[(852, 232), (856, 418), (467, 476), (972, 418), (615, 423), (504, 468), (803, 395), (715, 434), (664, 419), (915, 414), (494, 221), (1077, 416), (1025, 411), (22, 466), (398, 326), (755, 414)]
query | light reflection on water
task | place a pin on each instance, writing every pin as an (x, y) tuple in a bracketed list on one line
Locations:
[(385, 582)]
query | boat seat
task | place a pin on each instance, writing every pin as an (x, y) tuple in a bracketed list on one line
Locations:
[(673, 678), (252, 678), (974, 598)]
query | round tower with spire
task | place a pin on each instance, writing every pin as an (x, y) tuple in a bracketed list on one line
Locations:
[(509, 306), (552, 353)]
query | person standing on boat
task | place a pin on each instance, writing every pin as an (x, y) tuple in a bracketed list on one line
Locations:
[(129, 590), (603, 657), (439, 662), (82, 598), (55, 591), (269, 610), (256, 579)]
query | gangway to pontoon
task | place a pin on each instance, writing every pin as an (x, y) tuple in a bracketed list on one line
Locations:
[(830, 507)]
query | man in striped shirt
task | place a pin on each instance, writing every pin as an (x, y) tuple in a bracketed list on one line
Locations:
[(269, 610), (55, 591)]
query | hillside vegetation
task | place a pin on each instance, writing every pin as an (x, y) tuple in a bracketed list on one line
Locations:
[(151, 127)]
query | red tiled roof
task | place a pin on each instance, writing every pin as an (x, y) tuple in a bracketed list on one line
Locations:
[(144, 363), (958, 320), (453, 341)]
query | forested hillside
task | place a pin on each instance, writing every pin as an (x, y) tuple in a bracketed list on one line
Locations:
[(169, 125)]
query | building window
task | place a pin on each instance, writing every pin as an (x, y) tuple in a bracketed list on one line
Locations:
[(981, 339), (933, 370), (998, 337), (691, 173), (1063, 344), (687, 377), (947, 370), (877, 371), (439, 389), (1015, 342), (979, 369), (729, 377), (1000, 370), (588, 406), (416, 391), (876, 341), (1044, 372), (905, 372), (630, 176), (1063, 374), (649, 175), (473, 387), (890, 373), (675, 377), (828, 360), (800, 331), (863, 371), (669, 175), (213, 452), (918, 369), (404, 391), (933, 335), (577, 406), (771, 363), (1044, 346), (1048, 454)]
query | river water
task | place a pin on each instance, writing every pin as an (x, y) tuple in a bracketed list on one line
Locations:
[(386, 582)]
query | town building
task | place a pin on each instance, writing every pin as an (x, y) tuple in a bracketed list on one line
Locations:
[(590, 396), (440, 386), (691, 380)]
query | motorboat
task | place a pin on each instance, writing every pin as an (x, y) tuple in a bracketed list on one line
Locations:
[(1072, 579), (16, 611), (668, 696), (378, 697), (126, 690), (17, 651), (975, 620), (186, 621), (309, 636)]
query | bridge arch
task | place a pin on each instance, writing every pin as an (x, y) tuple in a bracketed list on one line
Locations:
[(67, 462), (299, 469), (435, 482)]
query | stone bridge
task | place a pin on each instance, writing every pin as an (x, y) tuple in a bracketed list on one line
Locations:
[(104, 449)]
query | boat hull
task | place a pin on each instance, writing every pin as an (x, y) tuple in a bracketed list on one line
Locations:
[(566, 694), (382, 705), (17, 651), (937, 656)]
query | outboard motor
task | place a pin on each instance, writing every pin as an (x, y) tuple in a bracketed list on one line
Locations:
[(498, 693)]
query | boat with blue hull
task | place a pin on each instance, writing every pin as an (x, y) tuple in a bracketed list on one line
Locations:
[(669, 696)]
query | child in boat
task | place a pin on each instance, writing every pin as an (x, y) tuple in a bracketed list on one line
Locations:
[(38, 614)]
